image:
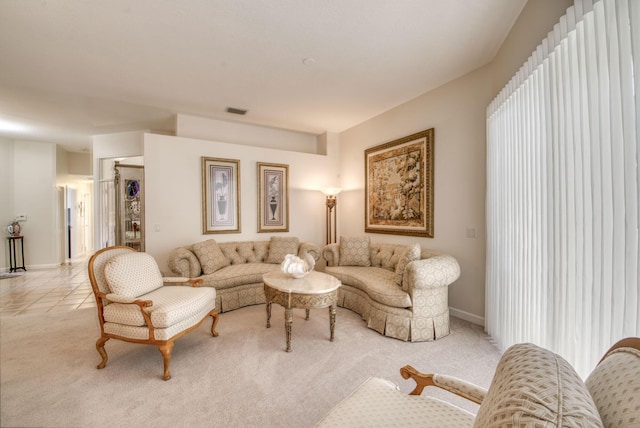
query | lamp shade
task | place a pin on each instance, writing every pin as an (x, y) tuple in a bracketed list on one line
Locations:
[(331, 191)]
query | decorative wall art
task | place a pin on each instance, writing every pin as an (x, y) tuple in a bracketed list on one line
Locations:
[(399, 186), (273, 197), (220, 195)]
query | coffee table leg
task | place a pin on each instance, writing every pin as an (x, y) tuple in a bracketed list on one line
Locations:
[(288, 322), (268, 314), (332, 319)]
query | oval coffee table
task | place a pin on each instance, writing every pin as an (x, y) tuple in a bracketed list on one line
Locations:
[(316, 290)]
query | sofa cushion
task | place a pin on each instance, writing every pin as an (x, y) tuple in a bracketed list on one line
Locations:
[(378, 283), (409, 255), (132, 274), (210, 256), (615, 387), (279, 247), (354, 251), (240, 274), (533, 386)]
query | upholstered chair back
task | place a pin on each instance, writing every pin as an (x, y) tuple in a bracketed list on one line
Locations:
[(131, 275), (615, 387), (99, 263)]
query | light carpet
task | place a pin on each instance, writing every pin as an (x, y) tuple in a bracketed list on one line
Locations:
[(241, 378)]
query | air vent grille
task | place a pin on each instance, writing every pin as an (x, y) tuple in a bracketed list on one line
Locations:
[(234, 110)]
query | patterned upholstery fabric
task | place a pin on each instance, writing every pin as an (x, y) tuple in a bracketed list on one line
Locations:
[(245, 252), (210, 256), (142, 333), (235, 275), (615, 388), (379, 403), (100, 262), (171, 305), (132, 274), (417, 311), (386, 256), (533, 386), (354, 251), (460, 387), (408, 256), (378, 283), (183, 262), (279, 247)]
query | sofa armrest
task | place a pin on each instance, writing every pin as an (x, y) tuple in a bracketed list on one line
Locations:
[(331, 254), (452, 384), (433, 272), (309, 248), (184, 263)]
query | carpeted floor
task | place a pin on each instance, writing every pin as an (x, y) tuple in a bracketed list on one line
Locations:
[(48, 374)]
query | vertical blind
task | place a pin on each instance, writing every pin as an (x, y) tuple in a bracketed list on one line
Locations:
[(563, 186)]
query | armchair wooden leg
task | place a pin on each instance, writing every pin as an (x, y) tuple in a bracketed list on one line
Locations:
[(103, 353), (165, 350), (216, 317)]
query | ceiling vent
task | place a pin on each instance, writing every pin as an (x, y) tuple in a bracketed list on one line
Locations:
[(234, 110)]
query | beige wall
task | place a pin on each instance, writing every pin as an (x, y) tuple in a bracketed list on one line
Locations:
[(29, 181), (457, 112), (173, 197)]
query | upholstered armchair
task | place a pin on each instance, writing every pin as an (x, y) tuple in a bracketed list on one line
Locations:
[(532, 386), (136, 305)]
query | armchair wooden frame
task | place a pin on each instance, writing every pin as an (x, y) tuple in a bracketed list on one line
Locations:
[(473, 392), (164, 346)]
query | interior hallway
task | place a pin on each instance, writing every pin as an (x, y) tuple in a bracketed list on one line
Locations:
[(65, 288)]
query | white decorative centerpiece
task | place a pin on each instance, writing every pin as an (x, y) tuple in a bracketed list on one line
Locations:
[(297, 267)]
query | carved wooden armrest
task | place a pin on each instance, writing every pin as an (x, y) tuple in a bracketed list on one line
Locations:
[(179, 280), (452, 384)]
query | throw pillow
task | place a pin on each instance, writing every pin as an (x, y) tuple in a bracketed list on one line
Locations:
[(411, 254), (279, 247), (132, 275), (355, 251), (210, 256)]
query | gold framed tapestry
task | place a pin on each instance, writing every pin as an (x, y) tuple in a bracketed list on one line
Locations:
[(273, 197), (220, 195), (399, 186)]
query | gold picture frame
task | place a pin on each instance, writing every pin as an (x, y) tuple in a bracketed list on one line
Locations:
[(399, 186), (273, 197), (220, 195)]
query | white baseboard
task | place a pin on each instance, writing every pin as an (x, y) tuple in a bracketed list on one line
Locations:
[(473, 318)]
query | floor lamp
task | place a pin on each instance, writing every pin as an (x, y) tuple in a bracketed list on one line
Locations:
[(332, 209)]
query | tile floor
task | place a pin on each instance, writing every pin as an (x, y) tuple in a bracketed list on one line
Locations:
[(65, 288)]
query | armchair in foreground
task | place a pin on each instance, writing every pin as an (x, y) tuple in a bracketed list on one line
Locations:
[(135, 305)]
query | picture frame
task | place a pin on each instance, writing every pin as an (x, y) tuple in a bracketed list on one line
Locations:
[(220, 195), (273, 197), (399, 186)]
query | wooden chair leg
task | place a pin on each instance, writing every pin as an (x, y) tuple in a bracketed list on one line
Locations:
[(103, 353), (215, 317), (165, 350)]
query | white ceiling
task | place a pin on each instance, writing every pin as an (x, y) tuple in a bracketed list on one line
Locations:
[(74, 68)]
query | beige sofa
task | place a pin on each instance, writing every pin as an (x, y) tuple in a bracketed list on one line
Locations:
[(235, 269), (531, 387), (400, 291)]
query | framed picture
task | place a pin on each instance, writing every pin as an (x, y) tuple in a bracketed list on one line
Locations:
[(399, 186), (220, 195), (273, 197)]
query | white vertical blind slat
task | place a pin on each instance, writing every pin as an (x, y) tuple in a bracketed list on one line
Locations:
[(563, 188)]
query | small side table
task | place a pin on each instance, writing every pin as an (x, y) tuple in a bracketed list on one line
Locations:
[(13, 253), (316, 290)]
